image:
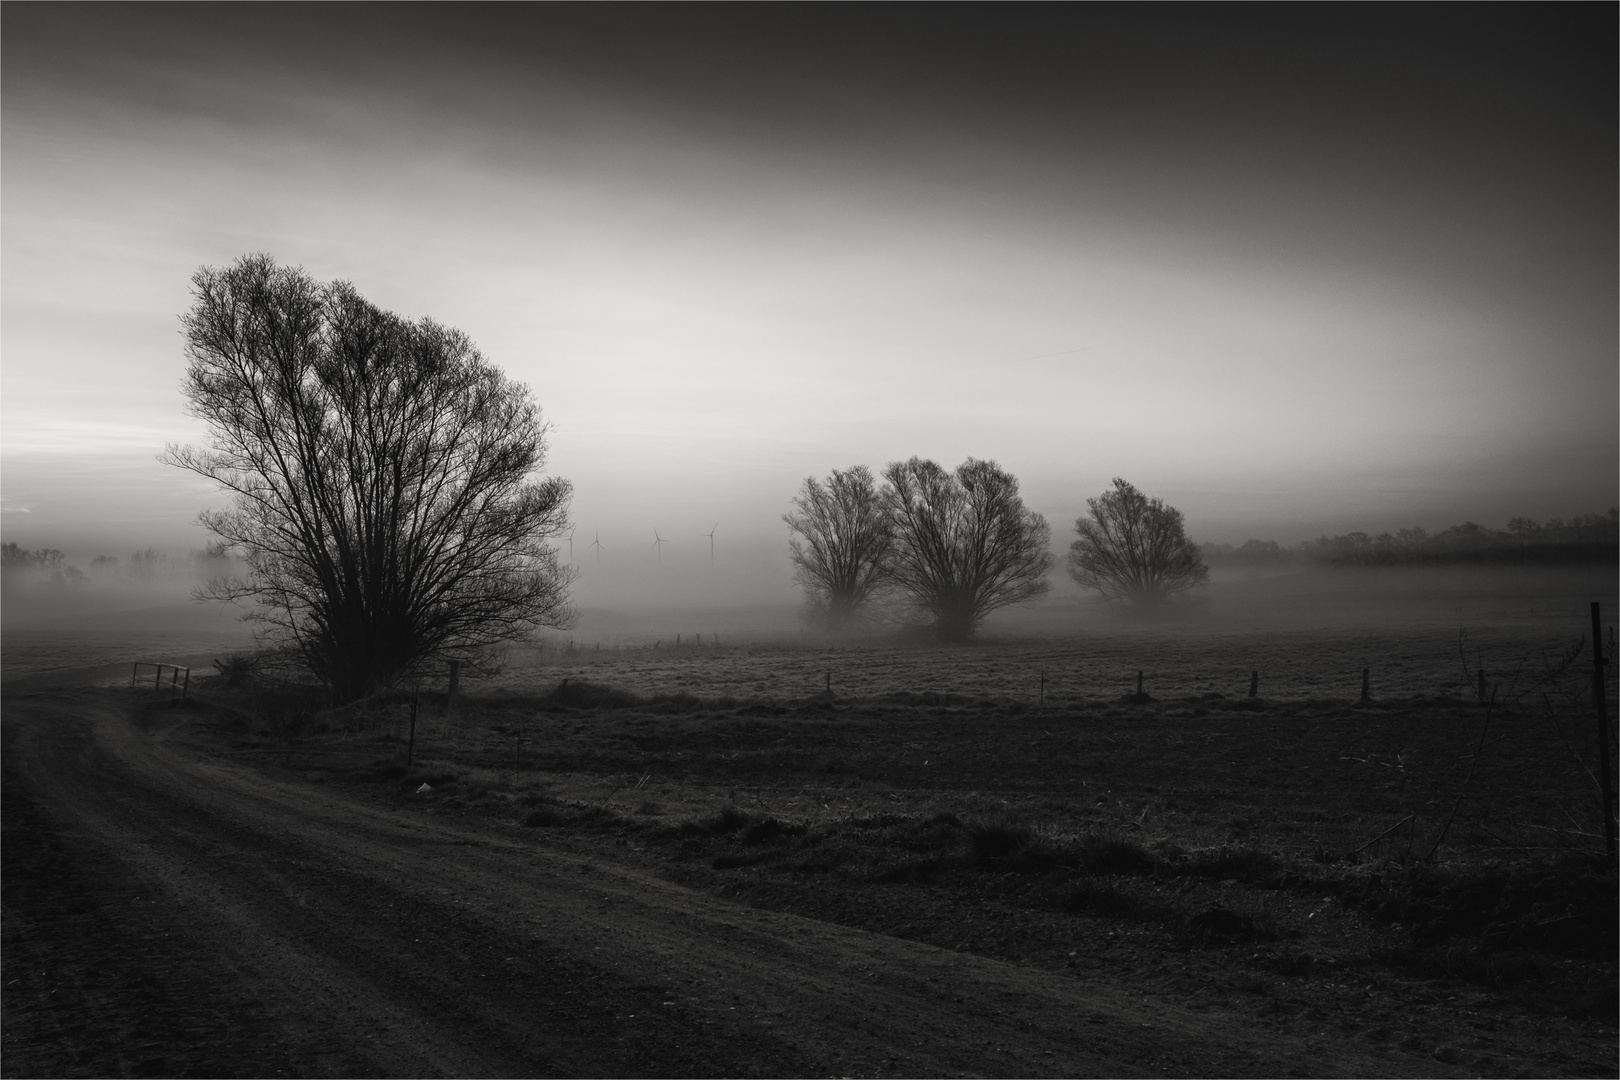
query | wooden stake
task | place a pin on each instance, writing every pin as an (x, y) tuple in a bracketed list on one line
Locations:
[(1138, 684), (1601, 704), (410, 747), (1254, 683), (1043, 689)]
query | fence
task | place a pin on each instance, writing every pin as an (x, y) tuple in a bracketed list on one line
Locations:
[(176, 682)]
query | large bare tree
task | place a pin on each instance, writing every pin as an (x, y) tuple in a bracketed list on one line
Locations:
[(965, 544), (387, 497), (841, 547), (1133, 550)]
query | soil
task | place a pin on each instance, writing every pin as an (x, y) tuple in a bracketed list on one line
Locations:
[(888, 861)]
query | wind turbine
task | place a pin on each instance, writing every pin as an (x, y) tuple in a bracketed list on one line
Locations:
[(659, 542), (597, 544), (710, 535), (571, 529)]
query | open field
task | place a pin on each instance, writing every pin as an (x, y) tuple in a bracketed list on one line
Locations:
[(1413, 885)]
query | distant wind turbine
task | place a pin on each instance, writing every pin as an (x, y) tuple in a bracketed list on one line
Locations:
[(571, 545), (597, 544), (659, 542), (710, 535)]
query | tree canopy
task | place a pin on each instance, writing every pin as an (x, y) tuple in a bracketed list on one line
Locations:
[(841, 547), (386, 496), (1134, 550), (964, 543)]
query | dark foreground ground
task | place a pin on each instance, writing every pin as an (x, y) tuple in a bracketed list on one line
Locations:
[(647, 871)]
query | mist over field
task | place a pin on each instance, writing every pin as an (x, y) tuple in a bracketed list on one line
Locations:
[(694, 599)]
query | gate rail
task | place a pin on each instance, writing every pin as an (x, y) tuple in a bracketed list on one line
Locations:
[(175, 680)]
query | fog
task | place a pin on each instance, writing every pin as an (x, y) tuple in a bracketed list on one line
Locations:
[(640, 600)]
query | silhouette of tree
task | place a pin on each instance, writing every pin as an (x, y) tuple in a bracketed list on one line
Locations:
[(841, 550), (964, 544), (1134, 550), (386, 501)]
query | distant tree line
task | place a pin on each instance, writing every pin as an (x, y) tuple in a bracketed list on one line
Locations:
[(1585, 538), (50, 566)]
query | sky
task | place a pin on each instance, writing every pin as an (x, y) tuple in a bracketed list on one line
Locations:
[(1293, 269)]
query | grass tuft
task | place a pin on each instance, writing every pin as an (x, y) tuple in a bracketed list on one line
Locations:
[(1088, 896), (1007, 844), (579, 694), (1104, 853)]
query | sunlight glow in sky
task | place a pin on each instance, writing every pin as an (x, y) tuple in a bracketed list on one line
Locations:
[(1291, 278)]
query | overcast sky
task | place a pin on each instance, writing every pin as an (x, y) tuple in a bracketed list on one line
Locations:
[(1293, 269)]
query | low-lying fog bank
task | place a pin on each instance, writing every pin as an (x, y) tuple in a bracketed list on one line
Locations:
[(122, 622), (1315, 597)]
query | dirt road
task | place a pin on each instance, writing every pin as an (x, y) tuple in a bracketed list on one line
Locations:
[(168, 912)]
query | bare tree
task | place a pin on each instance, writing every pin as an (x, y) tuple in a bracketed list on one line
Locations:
[(841, 550), (1134, 550), (386, 497), (965, 544)]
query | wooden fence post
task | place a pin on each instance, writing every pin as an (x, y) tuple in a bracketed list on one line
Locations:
[(157, 683), (1254, 682), (1601, 704), (410, 747)]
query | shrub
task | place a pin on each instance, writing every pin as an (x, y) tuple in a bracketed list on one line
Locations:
[(1240, 864), (1007, 844), (1088, 896), (579, 694), (238, 669), (1107, 854)]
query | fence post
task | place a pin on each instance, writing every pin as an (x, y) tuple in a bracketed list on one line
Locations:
[(157, 683), (1601, 704), (134, 673), (1254, 682), (410, 747)]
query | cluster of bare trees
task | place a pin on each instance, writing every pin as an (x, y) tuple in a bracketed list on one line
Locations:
[(950, 547)]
